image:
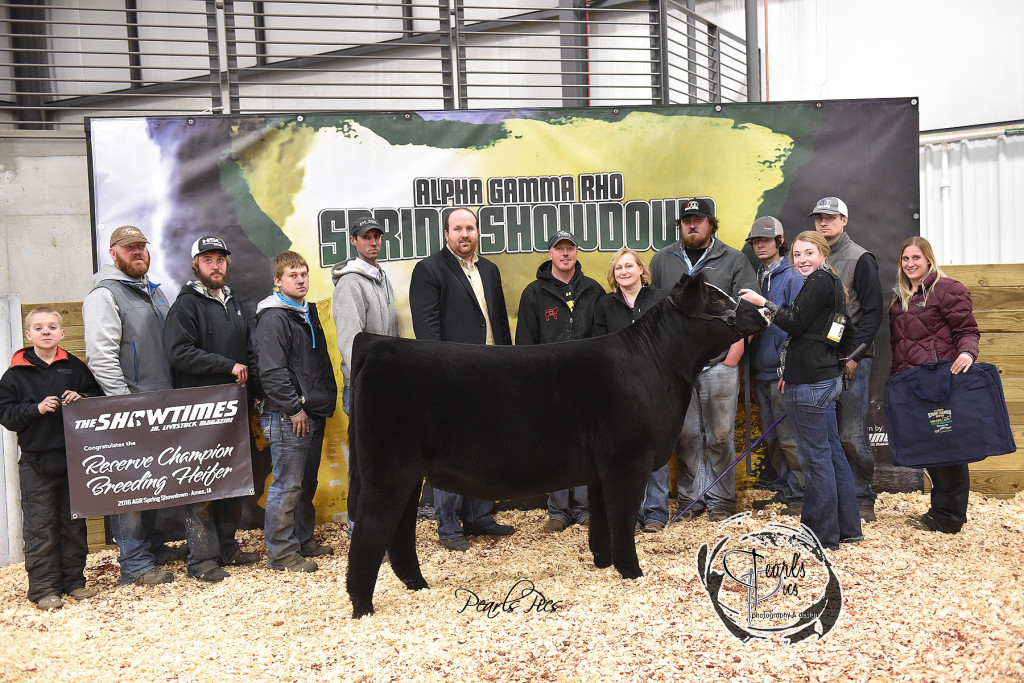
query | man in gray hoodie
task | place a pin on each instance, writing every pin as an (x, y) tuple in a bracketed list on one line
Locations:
[(124, 318), (363, 301)]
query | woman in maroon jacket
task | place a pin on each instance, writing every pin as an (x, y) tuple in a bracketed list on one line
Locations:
[(931, 318)]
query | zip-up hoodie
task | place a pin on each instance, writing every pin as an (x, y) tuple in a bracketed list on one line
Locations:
[(544, 315), (205, 337), (295, 368), (124, 341), (25, 384), (361, 303), (780, 283)]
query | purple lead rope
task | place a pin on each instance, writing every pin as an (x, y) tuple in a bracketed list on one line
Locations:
[(734, 463)]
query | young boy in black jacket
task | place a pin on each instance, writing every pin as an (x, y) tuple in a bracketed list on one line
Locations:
[(40, 380)]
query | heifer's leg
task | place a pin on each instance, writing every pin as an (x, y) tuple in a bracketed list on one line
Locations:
[(600, 541), (379, 512), (624, 492), (402, 550)]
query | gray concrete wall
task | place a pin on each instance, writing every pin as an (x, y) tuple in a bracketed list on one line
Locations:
[(45, 233)]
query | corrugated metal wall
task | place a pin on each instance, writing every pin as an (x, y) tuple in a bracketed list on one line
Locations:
[(970, 184)]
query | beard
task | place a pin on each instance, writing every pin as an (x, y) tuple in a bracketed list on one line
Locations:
[(135, 268), (695, 240), (212, 283)]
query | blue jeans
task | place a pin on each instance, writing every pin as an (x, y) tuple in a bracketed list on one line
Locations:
[(449, 507), (570, 509), (142, 548), (780, 443), (830, 504), (852, 413), (290, 516), (655, 505), (210, 529), (709, 424)]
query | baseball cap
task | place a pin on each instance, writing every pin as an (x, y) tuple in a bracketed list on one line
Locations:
[(209, 243), (363, 226), (562, 235), (127, 234), (698, 206), (766, 226), (832, 205)]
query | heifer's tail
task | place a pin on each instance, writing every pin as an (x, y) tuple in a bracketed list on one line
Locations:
[(734, 463)]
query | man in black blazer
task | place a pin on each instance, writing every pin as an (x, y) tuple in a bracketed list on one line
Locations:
[(455, 295)]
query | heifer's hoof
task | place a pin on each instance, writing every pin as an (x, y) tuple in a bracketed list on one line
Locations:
[(361, 608), (602, 561), (416, 584), (630, 573)]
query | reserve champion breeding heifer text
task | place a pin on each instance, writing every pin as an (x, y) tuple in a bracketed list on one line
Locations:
[(501, 422)]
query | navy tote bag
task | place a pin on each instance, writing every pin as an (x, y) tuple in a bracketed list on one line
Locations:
[(938, 418)]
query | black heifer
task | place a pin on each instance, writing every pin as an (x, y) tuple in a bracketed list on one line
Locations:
[(499, 422)]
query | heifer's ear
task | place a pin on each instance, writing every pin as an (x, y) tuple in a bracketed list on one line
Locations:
[(689, 293)]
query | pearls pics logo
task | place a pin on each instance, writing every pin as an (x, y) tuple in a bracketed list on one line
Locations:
[(773, 583)]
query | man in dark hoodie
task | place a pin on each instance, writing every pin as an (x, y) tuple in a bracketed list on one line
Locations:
[(208, 343), (298, 382), (780, 283), (559, 306), (363, 301)]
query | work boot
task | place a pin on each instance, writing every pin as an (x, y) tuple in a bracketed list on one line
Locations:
[(82, 593), (153, 577), (553, 526), (50, 602), (459, 543)]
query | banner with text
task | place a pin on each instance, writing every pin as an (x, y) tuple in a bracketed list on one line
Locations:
[(615, 176), (157, 449)]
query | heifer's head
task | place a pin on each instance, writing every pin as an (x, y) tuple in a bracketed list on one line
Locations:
[(699, 299)]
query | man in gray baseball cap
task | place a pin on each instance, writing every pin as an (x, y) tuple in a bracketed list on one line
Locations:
[(780, 283), (858, 269)]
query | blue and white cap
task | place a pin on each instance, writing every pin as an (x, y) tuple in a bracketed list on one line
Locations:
[(830, 205)]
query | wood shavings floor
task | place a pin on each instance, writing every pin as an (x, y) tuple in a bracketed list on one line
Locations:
[(918, 606)]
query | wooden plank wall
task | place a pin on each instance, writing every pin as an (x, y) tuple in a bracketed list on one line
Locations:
[(998, 295)]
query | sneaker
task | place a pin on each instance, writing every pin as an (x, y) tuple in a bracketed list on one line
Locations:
[(242, 559), (867, 513), (153, 577), (313, 549), (720, 515), (926, 523), (459, 543), (851, 539), (301, 566), (691, 514), (653, 527), (212, 575), (496, 530), (585, 523), (553, 526), (82, 593), (50, 602)]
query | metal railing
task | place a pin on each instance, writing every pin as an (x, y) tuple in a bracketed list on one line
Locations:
[(61, 62)]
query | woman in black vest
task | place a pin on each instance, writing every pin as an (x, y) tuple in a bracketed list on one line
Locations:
[(811, 382)]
